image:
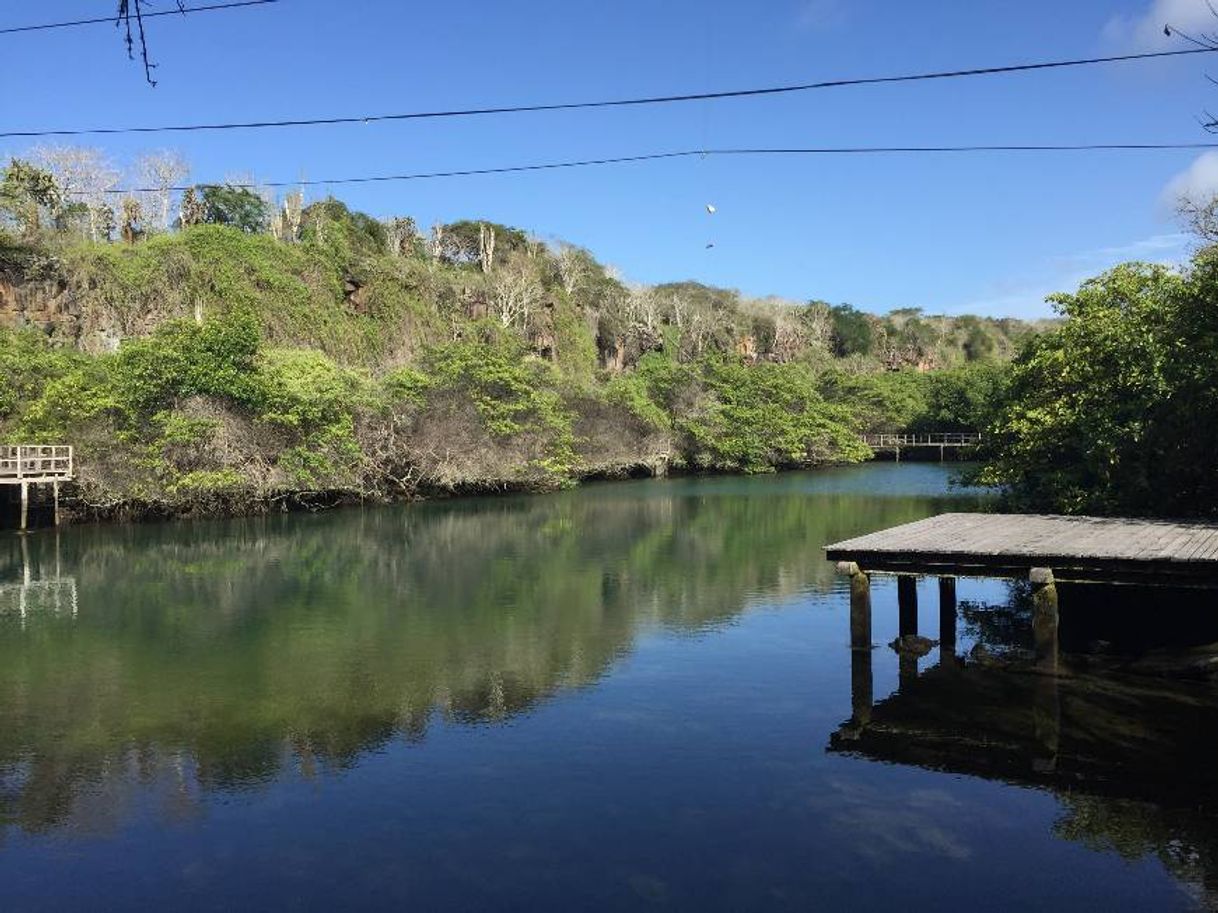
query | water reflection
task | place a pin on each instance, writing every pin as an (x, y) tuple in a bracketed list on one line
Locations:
[(606, 699), (37, 589), (1129, 757), (214, 656)]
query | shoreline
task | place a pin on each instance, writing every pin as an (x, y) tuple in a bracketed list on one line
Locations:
[(221, 505)]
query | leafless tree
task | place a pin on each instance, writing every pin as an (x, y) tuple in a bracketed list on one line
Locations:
[(435, 244), (818, 322), (643, 307), (515, 293), (285, 225), (161, 172), (486, 246), (1200, 215), (84, 175), (572, 268)]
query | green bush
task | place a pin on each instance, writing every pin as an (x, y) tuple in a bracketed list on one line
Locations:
[(1116, 411), (27, 364), (512, 392), (766, 416)]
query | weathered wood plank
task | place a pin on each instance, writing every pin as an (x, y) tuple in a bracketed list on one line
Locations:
[(1129, 548)]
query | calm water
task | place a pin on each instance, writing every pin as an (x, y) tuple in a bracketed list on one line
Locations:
[(630, 696)]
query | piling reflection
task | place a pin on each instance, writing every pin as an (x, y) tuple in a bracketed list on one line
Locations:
[(37, 588), (1128, 756), (219, 656)]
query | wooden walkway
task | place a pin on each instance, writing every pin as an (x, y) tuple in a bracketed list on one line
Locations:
[(36, 464), (1090, 549), (888, 440), (941, 441)]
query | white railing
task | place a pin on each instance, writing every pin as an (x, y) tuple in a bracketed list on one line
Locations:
[(35, 463), (934, 439)]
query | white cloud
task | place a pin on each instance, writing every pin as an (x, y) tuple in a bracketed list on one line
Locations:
[(1145, 31), (1024, 296), (1198, 181)]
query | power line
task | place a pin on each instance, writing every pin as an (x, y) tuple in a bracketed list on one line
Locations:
[(110, 20), (692, 153), (610, 103)]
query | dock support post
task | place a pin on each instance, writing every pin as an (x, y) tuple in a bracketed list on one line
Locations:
[(55, 489), (25, 505), (861, 688), (947, 615), (860, 605), (1044, 618), (907, 604)]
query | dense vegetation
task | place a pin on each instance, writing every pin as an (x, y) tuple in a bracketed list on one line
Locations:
[(239, 352), (1116, 410)]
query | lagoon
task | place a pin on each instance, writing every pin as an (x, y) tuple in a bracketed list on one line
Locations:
[(625, 696)]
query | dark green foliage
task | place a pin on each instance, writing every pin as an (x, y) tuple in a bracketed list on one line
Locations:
[(964, 398), (238, 207), (364, 234), (462, 240), (1116, 411), (886, 401), (741, 417), (852, 333), (977, 343)]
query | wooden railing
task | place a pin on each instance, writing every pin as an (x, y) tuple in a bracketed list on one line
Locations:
[(35, 463), (934, 439)]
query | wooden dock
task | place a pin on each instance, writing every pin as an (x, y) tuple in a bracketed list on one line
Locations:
[(1038, 548), (1084, 549), (36, 464)]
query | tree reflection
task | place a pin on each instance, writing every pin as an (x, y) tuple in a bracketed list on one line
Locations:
[(219, 656)]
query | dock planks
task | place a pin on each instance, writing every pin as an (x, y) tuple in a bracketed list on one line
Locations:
[(1096, 549)]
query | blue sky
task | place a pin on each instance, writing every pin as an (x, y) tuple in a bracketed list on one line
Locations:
[(991, 234)]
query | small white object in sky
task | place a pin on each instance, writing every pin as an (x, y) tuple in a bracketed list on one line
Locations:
[(710, 209)]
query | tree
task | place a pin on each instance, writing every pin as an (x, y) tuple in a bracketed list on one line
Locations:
[(240, 207), (401, 235), (133, 214), (516, 292), (86, 180), (964, 398), (486, 246), (286, 224), (1116, 410), (852, 332), (29, 193), (192, 210), (161, 172)]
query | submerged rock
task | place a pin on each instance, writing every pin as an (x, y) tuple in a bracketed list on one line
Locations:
[(913, 645)]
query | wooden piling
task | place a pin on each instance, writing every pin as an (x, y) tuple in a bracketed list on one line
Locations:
[(1044, 618), (947, 614), (907, 604), (860, 606)]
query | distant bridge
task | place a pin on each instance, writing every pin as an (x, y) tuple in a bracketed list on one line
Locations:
[(941, 439), (36, 464)]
